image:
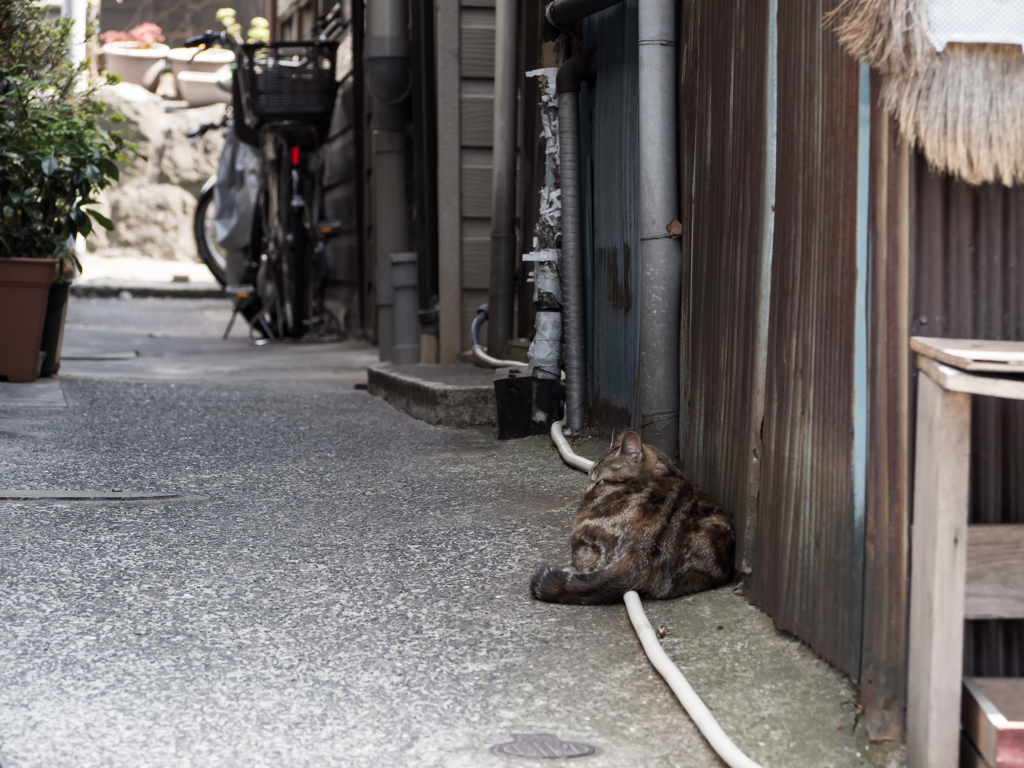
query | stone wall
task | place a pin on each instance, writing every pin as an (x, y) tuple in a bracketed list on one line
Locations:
[(154, 202)]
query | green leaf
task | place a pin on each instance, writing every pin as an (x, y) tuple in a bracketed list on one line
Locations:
[(102, 220), (109, 168), (84, 223), (92, 173), (49, 165), (8, 211)]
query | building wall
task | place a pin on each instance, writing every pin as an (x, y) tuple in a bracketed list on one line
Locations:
[(341, 153), (465, 107), (476, 125)]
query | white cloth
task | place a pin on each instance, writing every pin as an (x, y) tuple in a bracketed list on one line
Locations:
[(975, 21)]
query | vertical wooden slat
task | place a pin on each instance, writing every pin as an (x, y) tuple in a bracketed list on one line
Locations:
[(882, 687), (935, 670)]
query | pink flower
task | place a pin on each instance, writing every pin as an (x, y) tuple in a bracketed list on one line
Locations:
[(144, 34)]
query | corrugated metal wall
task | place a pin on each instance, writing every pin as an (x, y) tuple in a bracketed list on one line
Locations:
[(967, 246), (722, 146), (802, 569), (609, 111)]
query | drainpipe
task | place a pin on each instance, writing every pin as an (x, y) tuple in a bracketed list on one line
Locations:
[(386, 52), (503, 179), (660, 257), (565, 13), (570, 75)]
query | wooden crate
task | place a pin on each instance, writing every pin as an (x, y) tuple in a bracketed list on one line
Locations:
[(992, 716)]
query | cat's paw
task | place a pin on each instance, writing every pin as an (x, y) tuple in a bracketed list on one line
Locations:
[(548, 583)]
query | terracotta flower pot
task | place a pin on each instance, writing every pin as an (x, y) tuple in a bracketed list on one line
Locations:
[(24, 292), (135, 64)]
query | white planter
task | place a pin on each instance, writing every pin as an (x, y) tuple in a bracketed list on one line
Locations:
[(193, 60), (141, 66), (200, 89)]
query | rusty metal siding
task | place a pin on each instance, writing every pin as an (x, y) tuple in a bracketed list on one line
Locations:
[(967, 245), (722, 146), (802, 570), (610, 111)]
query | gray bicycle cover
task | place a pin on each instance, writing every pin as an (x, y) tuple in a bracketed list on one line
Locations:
[(234, 194)]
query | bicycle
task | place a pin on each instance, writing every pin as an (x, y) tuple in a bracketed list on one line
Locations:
[(210, 251), (284, 93)]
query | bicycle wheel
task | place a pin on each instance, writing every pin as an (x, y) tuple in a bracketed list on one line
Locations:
[(295, 278), (202, 226)]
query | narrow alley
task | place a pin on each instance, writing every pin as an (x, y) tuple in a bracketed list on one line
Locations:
[(330, 582)]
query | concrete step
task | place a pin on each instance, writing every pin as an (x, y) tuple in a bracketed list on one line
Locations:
[(453, 395)]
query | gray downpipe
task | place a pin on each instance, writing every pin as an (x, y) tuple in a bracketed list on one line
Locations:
[(565, 13), (405, 291), (570, 75), (660, 257), (386, 51), (503, 180)]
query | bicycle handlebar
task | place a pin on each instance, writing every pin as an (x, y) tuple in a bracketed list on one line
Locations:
[(210, 38)]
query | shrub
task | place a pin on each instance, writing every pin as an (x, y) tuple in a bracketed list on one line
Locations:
[(54, 157)]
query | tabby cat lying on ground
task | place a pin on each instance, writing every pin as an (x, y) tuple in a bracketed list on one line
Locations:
[(642, 526)]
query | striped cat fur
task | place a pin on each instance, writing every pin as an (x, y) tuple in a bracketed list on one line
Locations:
[(642, 526)]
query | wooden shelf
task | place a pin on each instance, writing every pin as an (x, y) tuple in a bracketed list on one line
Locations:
[(1005, 357)]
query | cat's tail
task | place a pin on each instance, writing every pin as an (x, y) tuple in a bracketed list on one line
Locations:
[(555, 585)]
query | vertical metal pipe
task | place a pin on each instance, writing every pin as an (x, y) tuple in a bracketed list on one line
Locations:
[(386, 50), (660, 258), (78, 11), (861, 392), (503, 179), (573, 330), (425, 156)]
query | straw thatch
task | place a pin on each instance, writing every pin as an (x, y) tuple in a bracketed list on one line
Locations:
[(888, 34), (964, 107)]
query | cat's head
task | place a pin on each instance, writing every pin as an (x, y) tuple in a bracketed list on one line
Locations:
[(629, 458)]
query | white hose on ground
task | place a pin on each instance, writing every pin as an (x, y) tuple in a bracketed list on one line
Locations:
[(483, 357), (478, 350), (570, 458), (695, 708)]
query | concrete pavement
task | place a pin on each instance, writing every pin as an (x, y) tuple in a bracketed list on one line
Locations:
[(334, 583)]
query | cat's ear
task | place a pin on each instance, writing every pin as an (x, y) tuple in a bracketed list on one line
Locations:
[(617, 434), (631, 445)]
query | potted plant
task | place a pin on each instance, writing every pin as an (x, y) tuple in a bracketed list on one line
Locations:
[(198, 72), (136, 56), (54, 157)]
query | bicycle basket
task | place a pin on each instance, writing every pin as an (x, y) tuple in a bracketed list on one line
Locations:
[(287, 81)]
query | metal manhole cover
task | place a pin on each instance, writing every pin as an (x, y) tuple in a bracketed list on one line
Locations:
[(542, 745)]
